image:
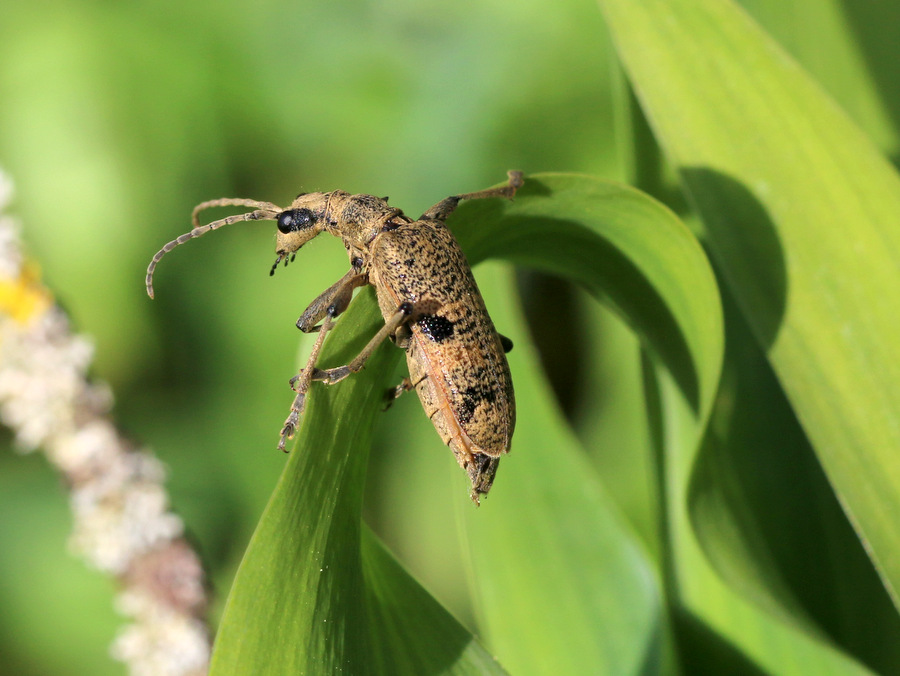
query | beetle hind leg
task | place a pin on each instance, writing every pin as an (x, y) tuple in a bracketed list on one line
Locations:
[(481, 469), (442, 210), (395, 393)]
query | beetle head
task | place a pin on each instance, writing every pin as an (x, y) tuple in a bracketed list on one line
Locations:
[(300, 223)]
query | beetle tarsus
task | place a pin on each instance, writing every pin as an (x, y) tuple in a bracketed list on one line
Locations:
[(481, 470), (287, 432)]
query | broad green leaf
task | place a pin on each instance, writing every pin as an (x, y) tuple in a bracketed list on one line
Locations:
[(874, 28), (411, 632), (717, 628), (610, 415), (308, 598), (781, 537), (858, 67), (559, 582), (800, 212)]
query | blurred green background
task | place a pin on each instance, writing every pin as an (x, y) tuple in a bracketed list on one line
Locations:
[(117, 118)]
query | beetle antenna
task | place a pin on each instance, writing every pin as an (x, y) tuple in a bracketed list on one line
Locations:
[(231, 202), (267, 212)]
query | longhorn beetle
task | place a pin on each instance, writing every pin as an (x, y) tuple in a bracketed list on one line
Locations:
[(431, 306)]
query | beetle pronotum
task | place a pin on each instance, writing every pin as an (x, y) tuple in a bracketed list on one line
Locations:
[(431, 306)]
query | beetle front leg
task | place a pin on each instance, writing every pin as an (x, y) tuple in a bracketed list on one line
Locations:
[(442, 210), (334, 299), (332, 376), (300, 384)]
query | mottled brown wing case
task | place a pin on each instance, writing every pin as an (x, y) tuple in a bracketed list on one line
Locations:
[(455, 356)]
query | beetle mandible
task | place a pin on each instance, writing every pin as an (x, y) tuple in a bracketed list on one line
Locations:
[(431, 306)]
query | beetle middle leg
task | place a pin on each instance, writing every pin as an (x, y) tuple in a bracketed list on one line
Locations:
[(332, 376), (302, 381)]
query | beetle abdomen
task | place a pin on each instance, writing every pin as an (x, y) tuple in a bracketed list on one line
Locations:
[(456, 360), (466, 376)]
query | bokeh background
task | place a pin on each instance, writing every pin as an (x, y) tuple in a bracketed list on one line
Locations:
[(117, 118)]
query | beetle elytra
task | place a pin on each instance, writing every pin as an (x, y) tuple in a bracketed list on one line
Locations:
[(431, 306)]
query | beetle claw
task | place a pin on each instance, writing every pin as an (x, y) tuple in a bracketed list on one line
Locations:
[(290, 427)]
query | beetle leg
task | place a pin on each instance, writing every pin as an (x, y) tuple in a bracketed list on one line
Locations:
[(300, 384), (481, 470), (445, 207), (395, 393), (331, 376), (333, 300)]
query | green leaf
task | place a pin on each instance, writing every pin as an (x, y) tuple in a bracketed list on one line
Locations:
[(316, 592), (800, 213), (307, 597), (778, 533), (717, 628), (553, 566), (858, 67)]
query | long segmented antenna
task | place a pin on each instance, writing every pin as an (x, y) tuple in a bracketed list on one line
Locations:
[(231, 202), (267, 212)]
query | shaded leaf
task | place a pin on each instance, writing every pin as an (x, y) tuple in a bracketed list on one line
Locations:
[(781, 537), (800, 212)]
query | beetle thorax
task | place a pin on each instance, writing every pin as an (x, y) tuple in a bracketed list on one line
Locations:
[(357, 219)]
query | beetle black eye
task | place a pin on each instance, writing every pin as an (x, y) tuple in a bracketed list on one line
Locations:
[(295, 219)]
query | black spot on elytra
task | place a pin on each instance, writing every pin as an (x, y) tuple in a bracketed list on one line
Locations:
[(470, 398), (466, 409), (436, 327)]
